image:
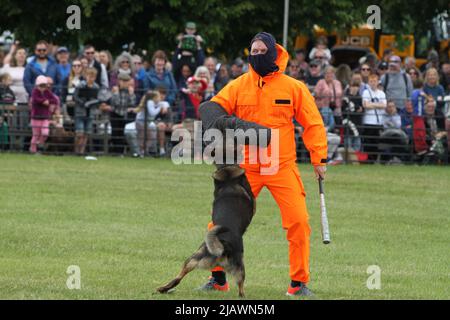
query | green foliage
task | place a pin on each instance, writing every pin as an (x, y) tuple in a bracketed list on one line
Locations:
[(227, 25)]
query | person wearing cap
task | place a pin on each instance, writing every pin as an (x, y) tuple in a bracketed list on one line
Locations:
[(64, 66), (267, 100), (189, 50), (41, 100), (314, 74), (122, 103), (321, 46), (382, 68), (397, 84), (192, 96), (41, 64)]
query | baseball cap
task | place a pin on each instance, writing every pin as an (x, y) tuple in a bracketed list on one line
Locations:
[(191, 25), (41, 80), (383, 65), (202, 82), (62, 49), (395, 60)]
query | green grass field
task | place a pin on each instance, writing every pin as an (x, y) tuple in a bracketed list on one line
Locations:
[(130, 223)]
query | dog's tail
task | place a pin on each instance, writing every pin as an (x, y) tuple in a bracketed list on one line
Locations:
[(213, 244)]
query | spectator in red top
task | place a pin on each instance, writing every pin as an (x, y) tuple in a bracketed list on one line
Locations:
[(193, 96)]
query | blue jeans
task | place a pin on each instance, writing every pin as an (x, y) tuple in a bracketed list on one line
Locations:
[(83, 125)]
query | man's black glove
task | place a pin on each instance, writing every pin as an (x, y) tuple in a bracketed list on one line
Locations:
[(215, 117)]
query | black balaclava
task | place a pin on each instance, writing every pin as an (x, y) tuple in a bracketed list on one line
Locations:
[(264, 64)]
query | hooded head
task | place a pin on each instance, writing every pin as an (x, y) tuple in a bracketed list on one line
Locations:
[(263, 54)]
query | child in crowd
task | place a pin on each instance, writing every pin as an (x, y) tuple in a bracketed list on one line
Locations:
[(322, 46), (188, 41), (163, 120), (6, 94), (393, 140), (56, 117), (192, 96), (149, 104), (374, 103), (189, 50), (391, 119), (6, 97), (123, 99), (86, 103), (41, 100)]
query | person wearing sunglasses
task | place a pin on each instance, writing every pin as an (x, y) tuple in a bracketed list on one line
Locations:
[(314, 74), (63, 58), (414, 73), (382, 68), (123, 65), (397, 84), (365, 72), (102, 74), (69, 85), (42, 64)]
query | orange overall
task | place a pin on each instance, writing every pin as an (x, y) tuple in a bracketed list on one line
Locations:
[(274, 101)]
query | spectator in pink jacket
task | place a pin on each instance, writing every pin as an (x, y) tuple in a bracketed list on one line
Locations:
[(328, 92), (41, 100)]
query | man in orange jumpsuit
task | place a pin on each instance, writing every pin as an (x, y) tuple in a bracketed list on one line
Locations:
[(267, 98)]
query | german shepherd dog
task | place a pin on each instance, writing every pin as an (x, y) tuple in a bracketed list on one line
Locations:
[(233, 210)]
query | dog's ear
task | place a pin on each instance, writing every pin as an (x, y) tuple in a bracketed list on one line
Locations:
[(228, 173)]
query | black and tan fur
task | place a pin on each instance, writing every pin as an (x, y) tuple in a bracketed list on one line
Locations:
[(233, 210)]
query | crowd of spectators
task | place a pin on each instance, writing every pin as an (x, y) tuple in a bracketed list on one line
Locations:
[(382, 111), (376, 112)]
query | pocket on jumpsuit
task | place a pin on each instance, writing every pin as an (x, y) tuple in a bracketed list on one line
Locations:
[(282, 111), (299, 179), (246, 107)]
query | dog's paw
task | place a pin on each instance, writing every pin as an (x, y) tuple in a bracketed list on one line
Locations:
[(164, 290)]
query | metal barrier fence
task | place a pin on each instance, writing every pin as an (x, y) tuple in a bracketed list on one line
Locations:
[(424, 141)]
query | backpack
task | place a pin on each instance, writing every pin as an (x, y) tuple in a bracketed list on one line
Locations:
[(405, 78)]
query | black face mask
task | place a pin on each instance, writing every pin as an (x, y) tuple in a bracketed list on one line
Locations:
[(263, 64)]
